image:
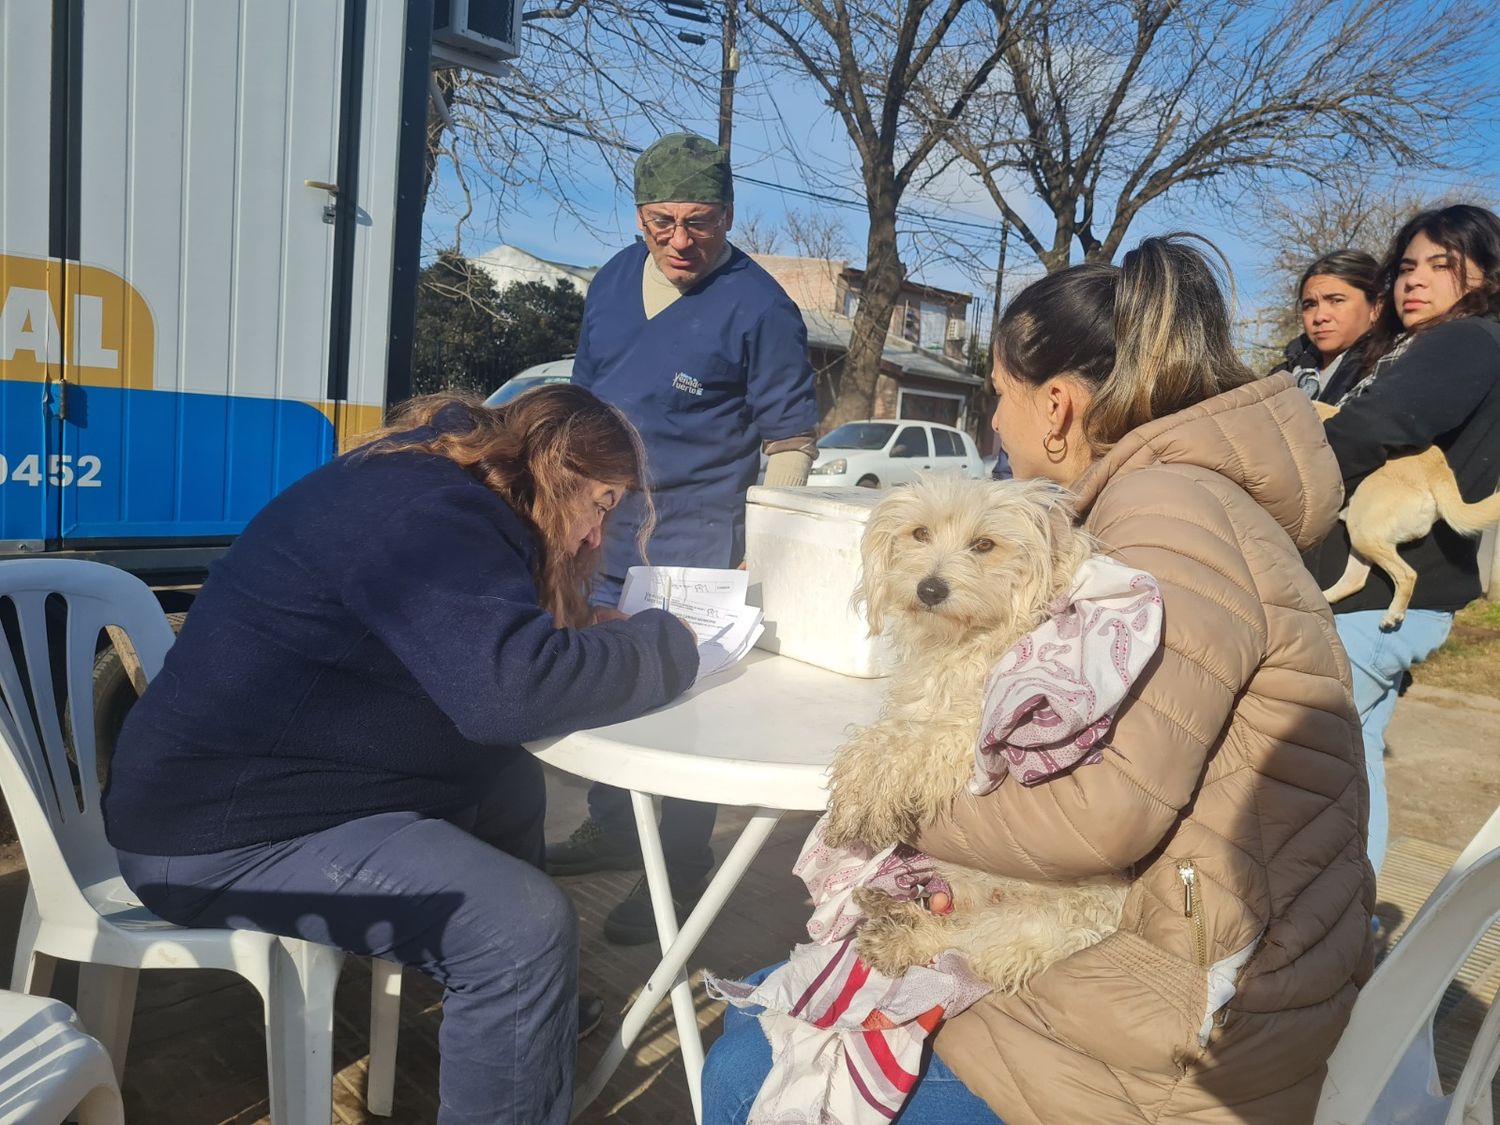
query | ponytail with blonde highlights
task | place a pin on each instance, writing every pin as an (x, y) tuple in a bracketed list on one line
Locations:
[(1147, 338), (536, 452)]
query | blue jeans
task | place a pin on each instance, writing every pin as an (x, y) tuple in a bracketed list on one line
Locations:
[(464, 900), (739, 1061), (1378, 659)]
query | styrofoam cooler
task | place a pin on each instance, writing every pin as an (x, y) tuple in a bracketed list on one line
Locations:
[(802, 551)]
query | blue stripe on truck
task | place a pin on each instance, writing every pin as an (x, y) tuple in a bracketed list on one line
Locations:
[(151, 464)]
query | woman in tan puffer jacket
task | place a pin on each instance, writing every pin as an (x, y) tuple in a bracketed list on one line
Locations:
[(1234, 792)]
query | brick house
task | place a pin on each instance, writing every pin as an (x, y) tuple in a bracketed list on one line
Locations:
[(922, 370)]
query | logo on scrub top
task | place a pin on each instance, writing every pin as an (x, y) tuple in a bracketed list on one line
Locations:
[(687, 384)]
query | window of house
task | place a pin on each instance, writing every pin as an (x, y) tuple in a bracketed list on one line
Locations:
[(924, 406), (934, 326)]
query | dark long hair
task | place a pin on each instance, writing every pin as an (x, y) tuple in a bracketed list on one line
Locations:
[(1354, 268), (1149, 337), (1471, 236), (535, 452)]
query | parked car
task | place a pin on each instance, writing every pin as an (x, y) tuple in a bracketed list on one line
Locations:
[(876, 454), (539, 375)]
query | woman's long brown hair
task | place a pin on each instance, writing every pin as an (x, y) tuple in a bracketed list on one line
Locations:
[(535, 452)]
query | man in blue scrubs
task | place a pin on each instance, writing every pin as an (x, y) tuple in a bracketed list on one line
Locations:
[(708, 356)]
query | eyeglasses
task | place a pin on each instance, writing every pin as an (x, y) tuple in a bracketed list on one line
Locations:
[(664, 226)]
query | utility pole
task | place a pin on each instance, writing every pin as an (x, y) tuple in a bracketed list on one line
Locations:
[(999, 280), (731, 67)]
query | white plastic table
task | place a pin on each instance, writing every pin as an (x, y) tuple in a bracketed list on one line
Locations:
[(759, 735)]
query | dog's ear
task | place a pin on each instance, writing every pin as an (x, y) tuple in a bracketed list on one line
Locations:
[(1060, 526), (1067, 543), (877, 554)]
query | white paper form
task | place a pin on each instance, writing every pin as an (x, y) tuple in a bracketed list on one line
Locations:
[(711, 601)]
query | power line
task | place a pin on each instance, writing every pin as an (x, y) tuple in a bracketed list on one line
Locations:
[(739, 177), (806, 193)]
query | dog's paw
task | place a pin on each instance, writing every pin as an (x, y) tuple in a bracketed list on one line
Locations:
[(876, 904), (890, 942)]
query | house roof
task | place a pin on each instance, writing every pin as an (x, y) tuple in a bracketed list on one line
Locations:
[(507, 264), (856, 276), (829, 330)]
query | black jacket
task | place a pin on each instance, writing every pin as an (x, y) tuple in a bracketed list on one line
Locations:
[(1303, 361), (1444, 390)]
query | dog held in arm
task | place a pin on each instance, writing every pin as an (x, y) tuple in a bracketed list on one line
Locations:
[(1397, 503), (1015, 644), (959, 572)]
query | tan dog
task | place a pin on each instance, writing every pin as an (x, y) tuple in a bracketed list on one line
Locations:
[(1399, 502), (960, 570)]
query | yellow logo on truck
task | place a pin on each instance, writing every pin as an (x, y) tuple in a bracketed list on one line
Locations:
[(61, 318)]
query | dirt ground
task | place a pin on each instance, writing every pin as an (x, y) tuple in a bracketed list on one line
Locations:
[(1443, 764), (1470, 660)]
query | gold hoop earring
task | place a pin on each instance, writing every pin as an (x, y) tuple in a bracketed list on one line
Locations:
[(1055, 455)]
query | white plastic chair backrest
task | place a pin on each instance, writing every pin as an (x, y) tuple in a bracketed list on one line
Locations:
[(1399, 1002), (62, 831), (1486, 840)]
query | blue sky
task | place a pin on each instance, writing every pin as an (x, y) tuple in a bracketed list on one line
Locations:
[(785, 135)]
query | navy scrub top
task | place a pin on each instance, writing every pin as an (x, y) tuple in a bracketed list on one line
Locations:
[(706, 381)]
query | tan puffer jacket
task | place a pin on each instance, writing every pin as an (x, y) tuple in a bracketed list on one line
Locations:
[(1236, 766)]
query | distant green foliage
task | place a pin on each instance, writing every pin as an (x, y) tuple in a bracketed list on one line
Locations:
[(471, 338)]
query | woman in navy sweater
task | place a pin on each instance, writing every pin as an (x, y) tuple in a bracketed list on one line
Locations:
[(332, 748)]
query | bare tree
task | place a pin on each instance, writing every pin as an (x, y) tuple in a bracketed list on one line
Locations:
[(595, 77), (868, 58), (1105, 106), (816, 234), (754, 234)]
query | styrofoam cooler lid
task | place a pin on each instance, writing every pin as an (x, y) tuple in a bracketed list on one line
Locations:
[(846, 502)]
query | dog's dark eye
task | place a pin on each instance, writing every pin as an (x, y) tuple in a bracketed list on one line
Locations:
[(980, 546), (921, 534)]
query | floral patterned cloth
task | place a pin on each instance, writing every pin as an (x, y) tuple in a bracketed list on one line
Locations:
[(1050, 701)]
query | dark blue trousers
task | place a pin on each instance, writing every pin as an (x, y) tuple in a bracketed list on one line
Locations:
[(686, 826), (463, 899)]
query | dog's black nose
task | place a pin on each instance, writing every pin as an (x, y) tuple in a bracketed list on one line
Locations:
[(932, 590)]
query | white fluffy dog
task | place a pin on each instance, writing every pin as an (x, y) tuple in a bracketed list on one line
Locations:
[(958, 570)]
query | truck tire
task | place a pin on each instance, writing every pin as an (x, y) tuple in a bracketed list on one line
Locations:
[(114, 696)]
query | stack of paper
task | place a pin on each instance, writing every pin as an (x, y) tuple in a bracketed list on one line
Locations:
[(711, 601)]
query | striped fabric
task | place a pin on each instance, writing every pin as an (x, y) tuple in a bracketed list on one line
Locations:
[(846, 1041)]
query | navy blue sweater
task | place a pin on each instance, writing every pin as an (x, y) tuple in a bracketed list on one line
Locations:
[(371, 643)]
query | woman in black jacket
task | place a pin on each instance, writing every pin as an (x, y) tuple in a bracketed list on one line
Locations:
[(1338, 297), (1431, 377)]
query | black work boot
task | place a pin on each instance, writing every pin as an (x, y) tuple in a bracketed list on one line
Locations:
[(591, 848), (632, 921), (590, 1012)]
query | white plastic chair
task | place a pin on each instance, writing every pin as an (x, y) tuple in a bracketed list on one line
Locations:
[(78, 907), (49, 1068), (1384, 1071)]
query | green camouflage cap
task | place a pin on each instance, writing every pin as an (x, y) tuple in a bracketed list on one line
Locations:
[(683, 168)]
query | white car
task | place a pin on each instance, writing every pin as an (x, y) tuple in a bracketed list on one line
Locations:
[(539, 375), (877, 454)]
